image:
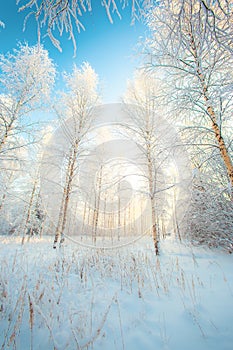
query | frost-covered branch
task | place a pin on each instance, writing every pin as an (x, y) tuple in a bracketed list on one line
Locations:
[(66, 15), (26, 77), (192, 42)]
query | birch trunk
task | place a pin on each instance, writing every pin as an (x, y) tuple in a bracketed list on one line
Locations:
[(66, 196), (119, 211), (152, 201), (96, 212), (211, 113), (29, 211)]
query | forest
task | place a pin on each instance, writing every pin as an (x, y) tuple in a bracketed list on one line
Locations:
[(180, 101), (110, 205)]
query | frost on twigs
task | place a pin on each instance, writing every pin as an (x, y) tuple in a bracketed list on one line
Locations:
[(64, 15), (210, 215), (26, 76)]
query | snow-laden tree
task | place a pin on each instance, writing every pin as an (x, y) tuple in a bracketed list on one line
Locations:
[(26, 78), (210, 214), (153, 139), (66, 15), (14, 182), (141, 107), (22, 210), (9, 171), (76, 112), (192, 41)]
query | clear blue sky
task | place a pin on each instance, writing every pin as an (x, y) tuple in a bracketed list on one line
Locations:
[(109, 48)]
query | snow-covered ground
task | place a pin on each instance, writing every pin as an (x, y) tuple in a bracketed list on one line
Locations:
[(83, 298)]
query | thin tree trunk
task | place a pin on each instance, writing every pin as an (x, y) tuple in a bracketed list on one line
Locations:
[(175, 221), (96, 216), (211, 112), (9, 127), (3, 200), (66, 196), (29, 211), (61, 211), (154, 228), (105, 214), (84, 216), (5, 193), (68, 192), (152, 201), (222, 147), (42, 228), (119, 211), (129, 218)]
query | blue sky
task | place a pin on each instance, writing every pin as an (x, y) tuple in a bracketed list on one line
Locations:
[(109, 48)]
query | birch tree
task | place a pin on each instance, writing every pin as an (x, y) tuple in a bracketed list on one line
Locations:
[(34, 219), (14, 189), (26, 78), (77, 105), (192, 41), (141, 105)]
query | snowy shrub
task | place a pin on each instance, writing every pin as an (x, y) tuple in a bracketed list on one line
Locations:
[(210, 216)]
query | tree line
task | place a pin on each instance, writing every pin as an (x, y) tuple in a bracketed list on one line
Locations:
[(186, 78)]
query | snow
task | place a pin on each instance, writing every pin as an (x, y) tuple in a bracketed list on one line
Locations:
[(86, 298)]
